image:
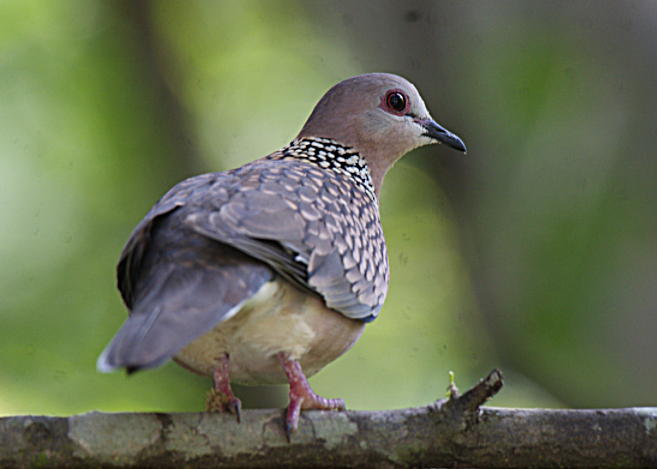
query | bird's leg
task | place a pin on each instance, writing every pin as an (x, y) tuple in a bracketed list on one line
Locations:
[(221, 396), (301, 395)]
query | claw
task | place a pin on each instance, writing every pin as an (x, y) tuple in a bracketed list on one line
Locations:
[(234, 407), (302, 396), (288, 432)]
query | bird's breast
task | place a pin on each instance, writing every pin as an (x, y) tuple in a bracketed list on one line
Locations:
[(278, 318)]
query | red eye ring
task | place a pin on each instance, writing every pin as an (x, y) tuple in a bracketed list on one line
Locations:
[(396, 102)]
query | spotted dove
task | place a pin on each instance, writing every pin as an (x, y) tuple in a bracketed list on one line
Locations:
[(266, 273)]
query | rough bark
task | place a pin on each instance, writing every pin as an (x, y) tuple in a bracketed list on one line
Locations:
[(453, 432)]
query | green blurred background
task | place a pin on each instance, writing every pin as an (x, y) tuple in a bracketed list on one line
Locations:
[(536, 252)]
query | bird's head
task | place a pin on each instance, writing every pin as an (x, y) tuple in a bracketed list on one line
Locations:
[(380, 115)]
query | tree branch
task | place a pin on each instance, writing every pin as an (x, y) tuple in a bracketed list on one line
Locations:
[(453, 432)]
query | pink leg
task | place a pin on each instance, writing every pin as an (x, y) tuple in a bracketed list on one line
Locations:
[(221, 397), (301, 396)]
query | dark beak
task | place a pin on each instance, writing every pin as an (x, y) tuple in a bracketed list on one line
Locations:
[(435, 131)]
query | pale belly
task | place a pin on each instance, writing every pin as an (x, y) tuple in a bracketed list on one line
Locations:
[(279, 318)]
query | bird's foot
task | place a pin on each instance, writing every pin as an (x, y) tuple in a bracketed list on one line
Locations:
[(306, 399), (221, 397), (220, 402), (302, 396)]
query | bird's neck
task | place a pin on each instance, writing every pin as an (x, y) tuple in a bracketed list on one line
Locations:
[(333, 156)]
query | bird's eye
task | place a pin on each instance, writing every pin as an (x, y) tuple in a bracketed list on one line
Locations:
[(396, 101)]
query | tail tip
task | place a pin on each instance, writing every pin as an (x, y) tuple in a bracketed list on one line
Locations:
[(103, 365)]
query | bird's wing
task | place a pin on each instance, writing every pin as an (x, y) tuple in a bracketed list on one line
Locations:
[(310, 225), (177, 283)]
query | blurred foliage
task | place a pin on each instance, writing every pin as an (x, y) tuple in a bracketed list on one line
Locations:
[(536, 252)]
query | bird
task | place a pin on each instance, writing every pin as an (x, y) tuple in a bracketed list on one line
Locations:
[(266, 273)]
